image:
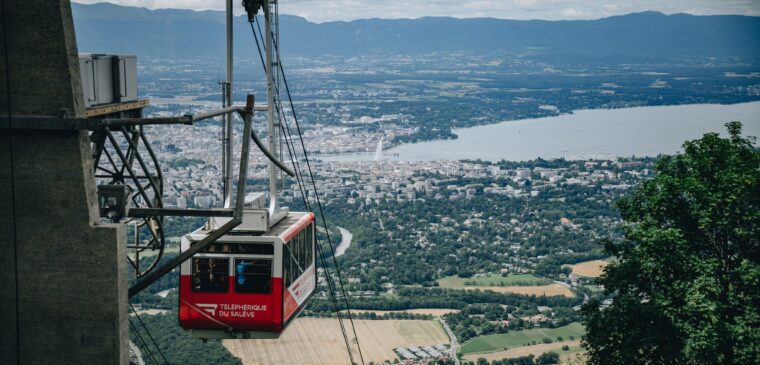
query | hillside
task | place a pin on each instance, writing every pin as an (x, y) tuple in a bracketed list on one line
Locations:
[(638, 37)]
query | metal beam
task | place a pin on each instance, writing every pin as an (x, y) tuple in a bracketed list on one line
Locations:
[(273, 135), (218, 112), (113, 108), (177, 212), (179, 259), (228, 98), (58, 123), (237, 216), (66, 123)]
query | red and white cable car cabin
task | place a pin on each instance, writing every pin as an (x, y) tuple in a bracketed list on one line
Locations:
[(249, 285)]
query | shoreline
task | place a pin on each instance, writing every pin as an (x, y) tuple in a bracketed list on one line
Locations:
[(516, 123)]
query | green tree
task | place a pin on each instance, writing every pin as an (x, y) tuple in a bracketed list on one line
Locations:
[(548, 358), (685, 289), (177, 345)]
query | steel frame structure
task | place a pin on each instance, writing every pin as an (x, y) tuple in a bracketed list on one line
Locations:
[(145, 184)]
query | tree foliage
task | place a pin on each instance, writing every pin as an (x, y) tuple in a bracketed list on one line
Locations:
[(685, 289), (177, 345)]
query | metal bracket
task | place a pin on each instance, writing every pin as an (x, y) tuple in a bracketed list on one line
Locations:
[(237, 211), (65, 123)]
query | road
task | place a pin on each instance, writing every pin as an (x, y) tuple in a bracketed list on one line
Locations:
[(454, 344), (345, 241), (135, 356)]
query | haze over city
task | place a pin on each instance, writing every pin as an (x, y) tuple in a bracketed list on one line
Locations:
[(337, 10)]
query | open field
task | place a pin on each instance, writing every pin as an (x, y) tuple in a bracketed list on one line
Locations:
[(435, 312), (574, 356), (455, 282), (500, 342), (319, 341), (539, 290), (150, 312), (591, 269), (525, 284), (593, 288), (536, 350), (170, 249)]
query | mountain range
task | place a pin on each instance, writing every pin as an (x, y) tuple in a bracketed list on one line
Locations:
[(632, 38)]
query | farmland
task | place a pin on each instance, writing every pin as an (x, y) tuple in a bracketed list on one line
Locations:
[(536, 350), (538, 290), (319, 341), (435, 312), (525, 284), (456, 282), (500, 342), (591, 269)]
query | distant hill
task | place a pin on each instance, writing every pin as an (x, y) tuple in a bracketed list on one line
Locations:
[(638, 37)]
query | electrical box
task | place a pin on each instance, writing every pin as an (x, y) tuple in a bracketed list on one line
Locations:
[(103, 79), (87, 71), (112, 200), (108, 79), (254, 220), (127, 78)]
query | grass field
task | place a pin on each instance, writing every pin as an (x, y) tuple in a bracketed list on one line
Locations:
[(455, 282), (536, 350), (316, 341), (435, 312), (150, 253), (525, 284), (500, 342), (547, 290), (593, 288), (591, 269)]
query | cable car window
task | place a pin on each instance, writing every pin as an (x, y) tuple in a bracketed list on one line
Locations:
[(290, 265), (301, 249), (309, 242), (253, 276), (244, 248), (255, 249), (286, 271), (295, 245), (215, 247), (210, 275)]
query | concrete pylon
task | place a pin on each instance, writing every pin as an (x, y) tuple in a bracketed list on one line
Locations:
[(63, 276)]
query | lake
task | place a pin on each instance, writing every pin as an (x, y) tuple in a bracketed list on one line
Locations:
[(596, 133)]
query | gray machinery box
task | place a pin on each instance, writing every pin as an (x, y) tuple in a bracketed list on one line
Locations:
[(108, 79)]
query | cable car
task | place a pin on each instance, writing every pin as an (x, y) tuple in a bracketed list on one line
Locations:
[(248, 284), (254, 280)]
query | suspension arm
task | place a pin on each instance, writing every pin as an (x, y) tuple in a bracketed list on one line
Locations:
[(237, 216)]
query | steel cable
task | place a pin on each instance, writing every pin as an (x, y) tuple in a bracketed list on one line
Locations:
[(301, 185), (316, 193), (149, 334)]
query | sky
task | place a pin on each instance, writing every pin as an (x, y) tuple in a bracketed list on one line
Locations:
[(332, 10)]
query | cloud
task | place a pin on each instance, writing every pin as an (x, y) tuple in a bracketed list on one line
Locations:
[(572, 13), (331, 10), (526, 3)]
